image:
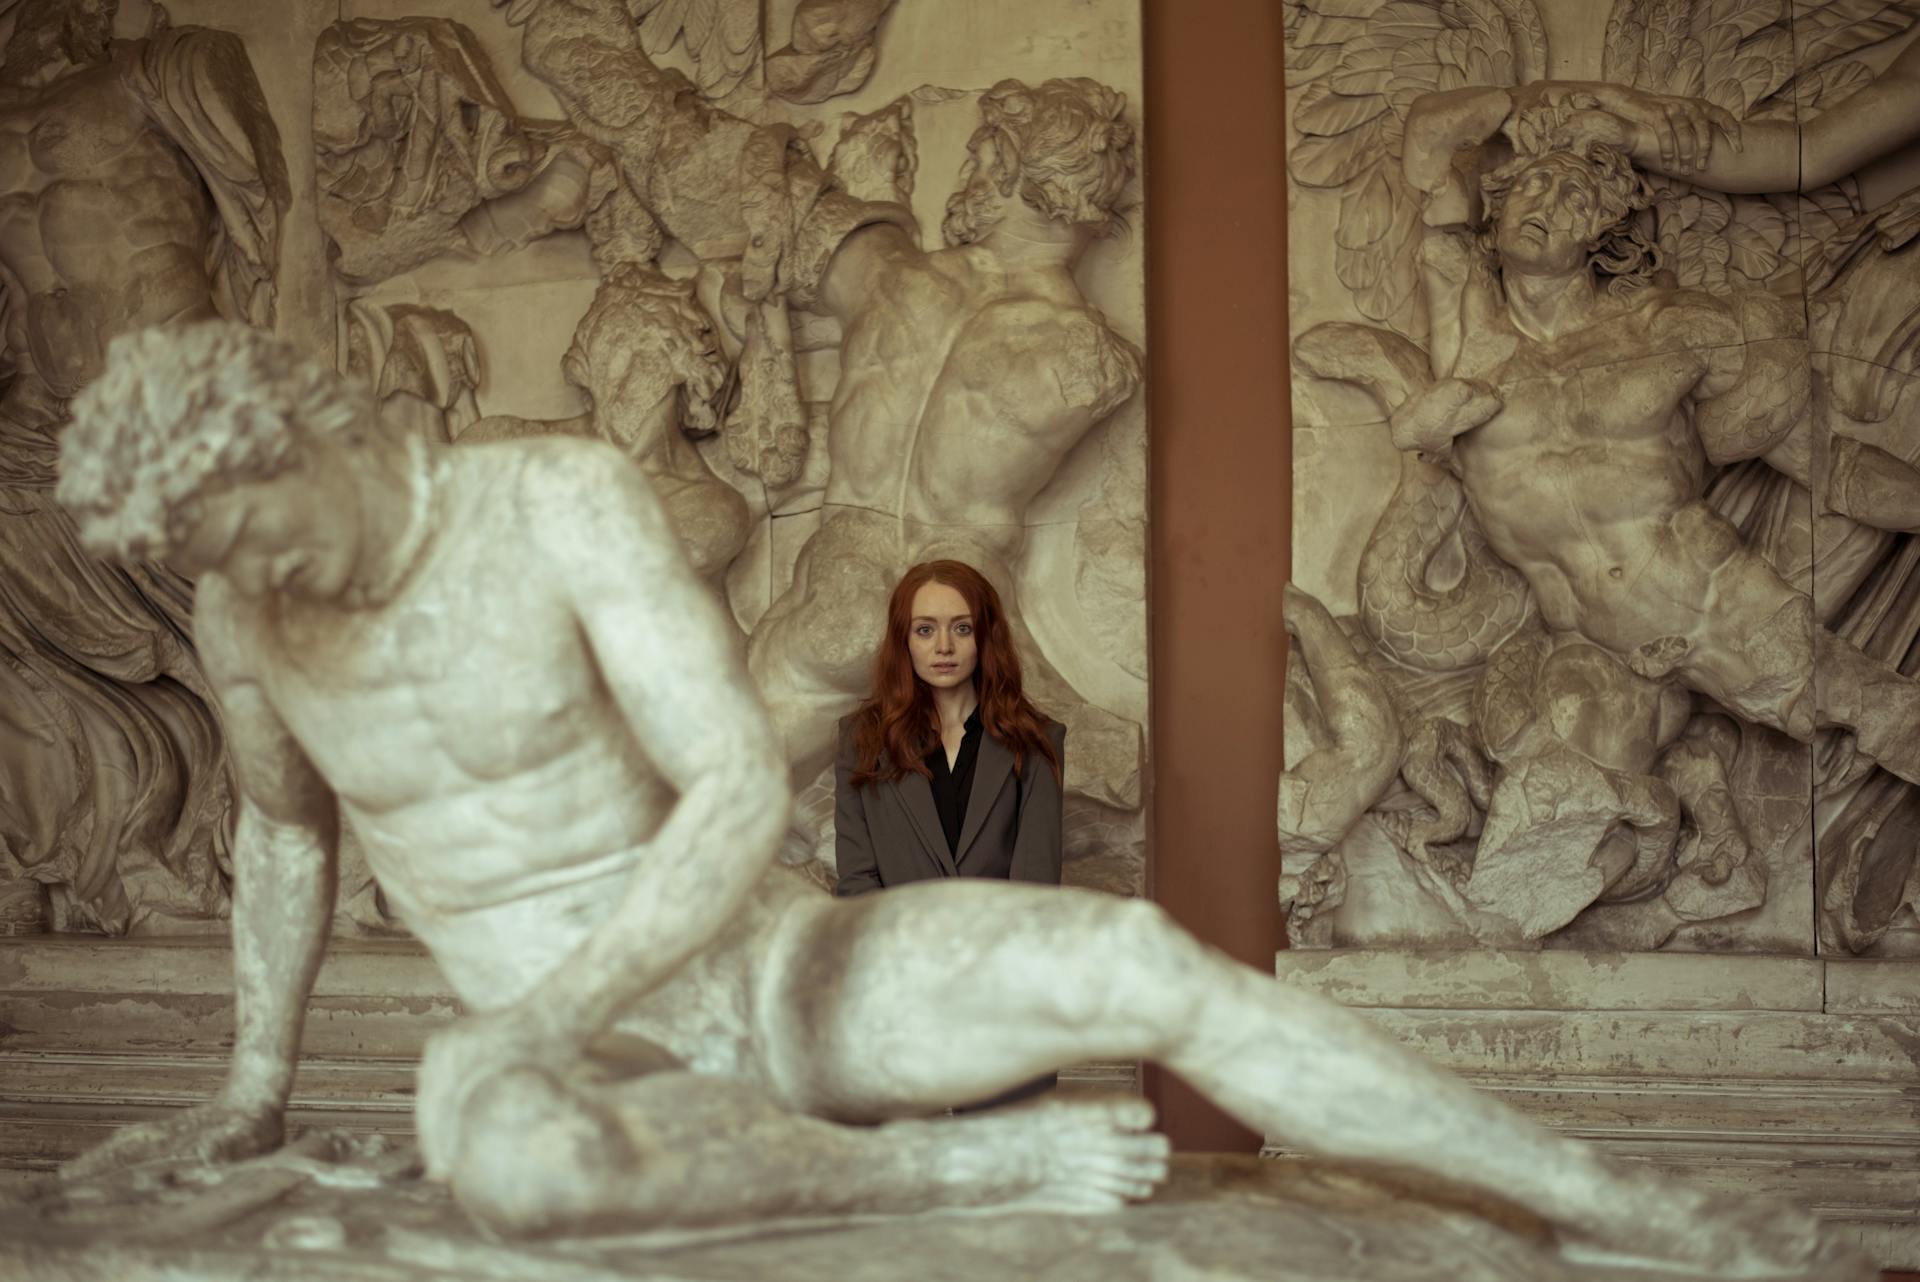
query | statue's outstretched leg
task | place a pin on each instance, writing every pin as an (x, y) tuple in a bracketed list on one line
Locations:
[(942, 993), (541, 1153)]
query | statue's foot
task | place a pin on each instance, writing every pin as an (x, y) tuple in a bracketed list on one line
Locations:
[(1714, 1236), (1072, 1155)]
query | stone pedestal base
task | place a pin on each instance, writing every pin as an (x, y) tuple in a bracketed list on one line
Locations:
[(96, 1033), (290, 1218), (1790, 1076)]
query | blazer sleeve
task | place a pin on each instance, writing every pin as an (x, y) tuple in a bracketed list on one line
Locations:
[(1037, 843), (853, 855)]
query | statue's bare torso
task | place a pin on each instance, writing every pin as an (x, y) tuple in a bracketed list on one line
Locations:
[(103, 222), (504, 799), (1590, 478)]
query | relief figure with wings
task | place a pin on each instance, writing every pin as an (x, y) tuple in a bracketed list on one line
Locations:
[(1614, 433)]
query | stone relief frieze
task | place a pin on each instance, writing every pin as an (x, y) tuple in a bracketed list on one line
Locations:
[(144, 185), (690, 184), (1615, 364), (599, 218)]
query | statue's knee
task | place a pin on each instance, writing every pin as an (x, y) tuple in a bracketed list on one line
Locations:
[(1138, 939), (532, 1158)]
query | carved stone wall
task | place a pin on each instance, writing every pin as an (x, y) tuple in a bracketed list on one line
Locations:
[(1594, 664), (1604, 567), (471, 223)]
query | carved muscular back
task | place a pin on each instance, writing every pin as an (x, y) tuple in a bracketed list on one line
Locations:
[(965, 386), (103, 223)]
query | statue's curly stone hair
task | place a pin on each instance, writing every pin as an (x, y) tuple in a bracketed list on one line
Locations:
[(1063, 146), (1622, 252), (182, 411)]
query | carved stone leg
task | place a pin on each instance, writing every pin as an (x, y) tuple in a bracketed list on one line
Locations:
[(544, 1154), (873, 1019)]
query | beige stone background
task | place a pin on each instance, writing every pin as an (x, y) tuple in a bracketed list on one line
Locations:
[(1345, 468), (1081, 581)]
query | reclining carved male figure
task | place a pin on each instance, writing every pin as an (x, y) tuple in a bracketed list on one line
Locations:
[(496, 662)]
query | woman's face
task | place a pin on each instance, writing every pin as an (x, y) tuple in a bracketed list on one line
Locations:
[(940, 637)]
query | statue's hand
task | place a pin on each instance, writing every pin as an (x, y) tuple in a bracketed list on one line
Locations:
[(1681, 129), (211, 1132), (1428, 422)]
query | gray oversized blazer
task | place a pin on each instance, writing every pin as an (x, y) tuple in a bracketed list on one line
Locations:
[(888, 832)]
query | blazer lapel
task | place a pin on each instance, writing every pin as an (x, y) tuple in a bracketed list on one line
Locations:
[(990, 771), (916, 793)]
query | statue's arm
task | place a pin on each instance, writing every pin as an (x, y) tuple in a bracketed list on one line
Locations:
[(1662, 132), (670, 662), (1439, 127), (1756, 386), (283, 870), (199, 89), (860, 265), (1802, 155)]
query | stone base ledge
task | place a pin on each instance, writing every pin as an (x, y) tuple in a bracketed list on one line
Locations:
[(1795, 1076), (97, 1033)]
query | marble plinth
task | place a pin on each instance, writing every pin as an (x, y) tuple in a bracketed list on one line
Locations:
[(97, 1033), (1796, 1077), (1220, 1218)]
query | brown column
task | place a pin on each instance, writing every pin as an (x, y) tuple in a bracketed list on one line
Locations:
[(1218, 422)]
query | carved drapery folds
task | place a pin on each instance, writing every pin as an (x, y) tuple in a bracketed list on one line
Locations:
[(146, 187), (1644, 560)]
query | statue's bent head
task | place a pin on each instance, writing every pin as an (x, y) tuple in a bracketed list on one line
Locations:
[(1064, 148), (1570, 208), (182, 415)]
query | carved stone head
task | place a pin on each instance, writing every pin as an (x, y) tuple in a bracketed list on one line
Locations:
[(182, 417), (1064, 148), (50, 36), (642, 339), (1570, 209)]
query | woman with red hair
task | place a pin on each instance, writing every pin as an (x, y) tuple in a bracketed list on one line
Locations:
[(946, 770)]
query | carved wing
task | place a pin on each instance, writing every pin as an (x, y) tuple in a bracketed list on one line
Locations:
[(199, 87), (1760, 60), (1354, 67), (721, 36)]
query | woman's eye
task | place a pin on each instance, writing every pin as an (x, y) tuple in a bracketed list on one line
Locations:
[(923, 631), (965, 630)]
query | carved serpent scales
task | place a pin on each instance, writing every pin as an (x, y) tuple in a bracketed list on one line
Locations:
[(1415, 616)]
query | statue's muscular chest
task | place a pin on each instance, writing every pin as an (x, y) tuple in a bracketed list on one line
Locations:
[(450, 686), (1614, 383)]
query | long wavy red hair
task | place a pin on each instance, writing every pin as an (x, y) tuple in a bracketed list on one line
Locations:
[(897, 725)]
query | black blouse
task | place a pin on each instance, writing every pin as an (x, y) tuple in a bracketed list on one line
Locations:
[(953, 785)]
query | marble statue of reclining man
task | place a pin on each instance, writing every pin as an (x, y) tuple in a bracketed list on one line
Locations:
[(494, 662)]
